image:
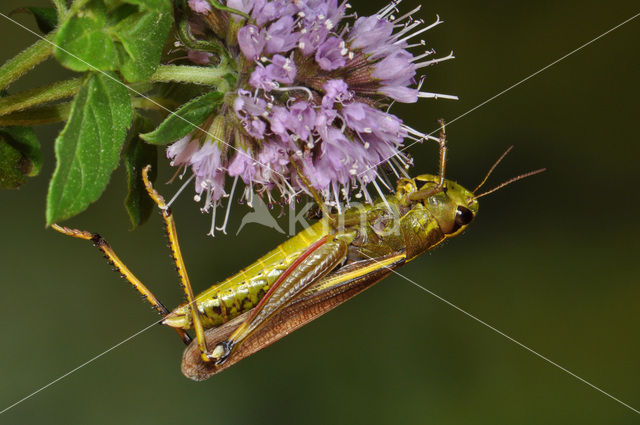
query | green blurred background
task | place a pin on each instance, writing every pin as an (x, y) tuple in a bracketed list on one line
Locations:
[(551, 261)]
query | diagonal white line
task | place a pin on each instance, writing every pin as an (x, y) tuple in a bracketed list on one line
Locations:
[(170, 112), (511, 87), (91, 360), (141, 95), (532, 351), (404, 277)]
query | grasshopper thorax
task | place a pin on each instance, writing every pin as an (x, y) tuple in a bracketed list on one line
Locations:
[(450, 204)]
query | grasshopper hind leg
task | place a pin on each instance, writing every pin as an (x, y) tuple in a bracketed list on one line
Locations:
[(172, 234)]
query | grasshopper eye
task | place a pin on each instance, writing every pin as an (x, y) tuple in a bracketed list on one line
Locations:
[(463, 216)]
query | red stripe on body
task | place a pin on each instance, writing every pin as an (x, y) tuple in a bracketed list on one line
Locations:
[(284, 275)]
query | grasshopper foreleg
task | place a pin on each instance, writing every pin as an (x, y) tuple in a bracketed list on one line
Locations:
[(314, 193), (119, 265)]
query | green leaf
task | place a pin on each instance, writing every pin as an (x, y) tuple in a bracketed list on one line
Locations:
[(46, 17), (20, 156), (83, 42), (110, 35), (137, 155), (88, 148), (142, 37), (185, 119)]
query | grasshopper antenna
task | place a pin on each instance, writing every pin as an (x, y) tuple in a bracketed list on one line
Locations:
[(493, 167), (508, 182)]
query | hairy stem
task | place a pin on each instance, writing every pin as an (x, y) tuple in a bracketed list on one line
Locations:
[(39, 95), (19, 65), (193, 74), (61, 8), (37, 116)]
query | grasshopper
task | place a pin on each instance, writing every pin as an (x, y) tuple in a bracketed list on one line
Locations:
[(314, 271)]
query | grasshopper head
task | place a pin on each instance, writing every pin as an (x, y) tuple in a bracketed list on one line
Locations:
[(452, 206)]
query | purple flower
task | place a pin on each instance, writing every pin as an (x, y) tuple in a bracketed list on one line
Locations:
[(359, 117), (255, 127), (324, 120), (396, 68), (279, 122), (249, 110), (181, 151), (246, 105), (364, 119), (251, 40), (200, 6), (400, 93), (280, 36), (303, 117), (205, 163), (241, 5), (282, 69), (313, 86), (260, 79), (369, 31), (265, 11), (332, 54), (274, 161), (311, 39), (335, 91), (242, 165), (325, 12)]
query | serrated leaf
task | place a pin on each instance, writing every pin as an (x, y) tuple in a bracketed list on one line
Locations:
[(136, 156), (142, 37), (115, 36), (46, 17), (185, 119), (88, 148), (83, 42), (20, 156)]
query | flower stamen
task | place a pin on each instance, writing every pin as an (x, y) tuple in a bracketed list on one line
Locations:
[(314, 83)]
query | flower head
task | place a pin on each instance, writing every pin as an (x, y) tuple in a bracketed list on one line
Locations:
[(314, 88)]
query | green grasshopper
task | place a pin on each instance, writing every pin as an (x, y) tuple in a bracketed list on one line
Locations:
[(322, 266)]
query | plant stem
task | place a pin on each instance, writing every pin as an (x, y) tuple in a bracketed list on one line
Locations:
[(44, 115), (154, 103), (193, 74), (29, 98), (20, 64), (61, 8)]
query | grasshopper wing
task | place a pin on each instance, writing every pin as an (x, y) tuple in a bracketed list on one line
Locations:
[(316, 300)]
